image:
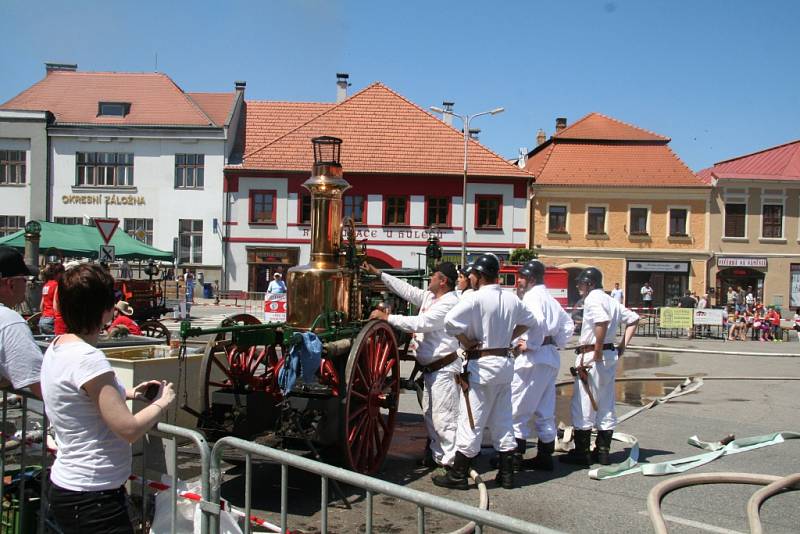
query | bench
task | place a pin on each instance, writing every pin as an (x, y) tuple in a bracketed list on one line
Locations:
[(236, 295)]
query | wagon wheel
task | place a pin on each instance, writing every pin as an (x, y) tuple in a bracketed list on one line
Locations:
[(233, 320), (370, 402), (156, 329)]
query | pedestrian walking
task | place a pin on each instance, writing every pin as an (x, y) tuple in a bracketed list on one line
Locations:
[(485, 322), (595, 368)]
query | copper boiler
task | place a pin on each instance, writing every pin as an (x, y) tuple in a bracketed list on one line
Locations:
[(324, 280)]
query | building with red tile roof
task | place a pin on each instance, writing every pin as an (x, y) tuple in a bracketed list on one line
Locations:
[(613, 195), (132, 146), (755, 224), (405, 167)]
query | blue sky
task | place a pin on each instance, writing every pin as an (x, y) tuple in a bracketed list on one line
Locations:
[(721, 78)]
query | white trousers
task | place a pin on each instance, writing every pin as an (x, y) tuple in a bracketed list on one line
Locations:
[(601, 377), (533, 396), (440, 404), (491, 407)]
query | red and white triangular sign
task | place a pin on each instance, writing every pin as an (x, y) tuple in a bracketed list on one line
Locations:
[(106, 227)]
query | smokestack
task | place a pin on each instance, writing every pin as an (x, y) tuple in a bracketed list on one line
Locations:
[(239, 85), (65, 67), (541, 137), (561, 123), (447, 118), (341, 86)]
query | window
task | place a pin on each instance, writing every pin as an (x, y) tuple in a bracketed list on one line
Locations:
[(305, 209), (104, 169), (262, 207), (11, 223), (68, 220), (396, 210), (190, 241), (141, 229), (735, 220), (677, 222), (12, 167), (596, 220), (113, 109), (557, 219), (189, 171), (438, 211), (772, 221), (489, 211), (354, 207), (638, 221)]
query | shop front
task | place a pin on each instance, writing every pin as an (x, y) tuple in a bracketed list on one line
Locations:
[(264, 262), (669, 280), (740, 271)]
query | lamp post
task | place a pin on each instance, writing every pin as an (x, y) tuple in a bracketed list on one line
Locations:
[(465, 120)]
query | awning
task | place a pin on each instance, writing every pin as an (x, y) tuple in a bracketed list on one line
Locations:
[(77, 240)]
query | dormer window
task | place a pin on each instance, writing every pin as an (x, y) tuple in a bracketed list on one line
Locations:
[(113, 109)]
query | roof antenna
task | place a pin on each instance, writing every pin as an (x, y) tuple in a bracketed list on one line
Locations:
[(156, 69)]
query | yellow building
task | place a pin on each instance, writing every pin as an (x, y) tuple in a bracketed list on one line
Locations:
[(614, 196)]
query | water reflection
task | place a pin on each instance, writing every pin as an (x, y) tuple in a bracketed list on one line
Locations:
[(643, 360)]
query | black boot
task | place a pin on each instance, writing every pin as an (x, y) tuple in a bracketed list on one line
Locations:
[(602, 446), (543, 461), (456, 476), (505, 474), (580, 454), (519, 454)]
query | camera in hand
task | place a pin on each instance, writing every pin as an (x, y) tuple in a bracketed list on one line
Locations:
[(151, 392)]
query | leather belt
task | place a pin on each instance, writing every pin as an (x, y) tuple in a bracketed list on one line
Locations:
[(583, 349), (475, 354), (438, 364)]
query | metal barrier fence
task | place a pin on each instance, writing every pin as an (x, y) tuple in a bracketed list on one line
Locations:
[(371, 485)]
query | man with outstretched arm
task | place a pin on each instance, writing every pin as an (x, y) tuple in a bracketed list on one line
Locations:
[(485, 322), (436, 354), (595, 368)]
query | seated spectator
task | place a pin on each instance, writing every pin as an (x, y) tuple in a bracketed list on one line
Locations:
[(122, 317), (796, 321), (774, 319), (20, 357), (86, 405), (738, 325), (50, 276)]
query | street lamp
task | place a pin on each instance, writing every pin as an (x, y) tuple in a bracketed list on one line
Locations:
[(465, 120)]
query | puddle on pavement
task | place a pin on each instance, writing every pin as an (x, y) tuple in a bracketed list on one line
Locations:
[(643, 360)]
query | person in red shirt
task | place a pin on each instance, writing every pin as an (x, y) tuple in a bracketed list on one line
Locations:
[(774, 319), (122, 316), (51, 275)]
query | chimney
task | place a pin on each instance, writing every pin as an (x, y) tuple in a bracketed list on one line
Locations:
[(341, 86), (447, 117), (523, 156), (239, 85), (561, 123), (541, 137), (65, 67)]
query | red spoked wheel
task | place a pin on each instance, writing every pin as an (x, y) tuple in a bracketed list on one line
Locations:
[(370, 402), (236, 319)]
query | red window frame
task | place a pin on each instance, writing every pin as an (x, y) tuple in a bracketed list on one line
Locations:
[(447, 222), (300, 197), (251, 215), (363, 207), (406, 217), (485, 198)]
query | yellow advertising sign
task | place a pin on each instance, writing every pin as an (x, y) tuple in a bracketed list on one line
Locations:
[(676, 318)]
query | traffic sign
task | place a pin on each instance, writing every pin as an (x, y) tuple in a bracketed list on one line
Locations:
[(107, 254), (106, 227)]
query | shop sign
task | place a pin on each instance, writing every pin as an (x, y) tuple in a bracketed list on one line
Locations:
[(708, 316), (659, 266), (794, 285), (275, 307), (111, 200), (675, 317), (741, 261)]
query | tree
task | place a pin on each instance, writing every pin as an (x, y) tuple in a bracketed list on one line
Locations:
[(521, 255)]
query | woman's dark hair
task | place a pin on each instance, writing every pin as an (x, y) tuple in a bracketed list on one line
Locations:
[(52, 271), (85, 292)]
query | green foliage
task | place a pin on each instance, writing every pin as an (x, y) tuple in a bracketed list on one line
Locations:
[(521, 255)]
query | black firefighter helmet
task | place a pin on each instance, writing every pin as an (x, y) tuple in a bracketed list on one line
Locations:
[(533, 270), (487, 265), (592, 276)]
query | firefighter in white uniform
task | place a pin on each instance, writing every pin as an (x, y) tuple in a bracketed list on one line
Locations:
[(595, 367), (533, 390), (436, 353), (485, 322)]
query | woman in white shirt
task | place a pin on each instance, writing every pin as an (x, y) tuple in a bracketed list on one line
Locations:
[(86, 406)]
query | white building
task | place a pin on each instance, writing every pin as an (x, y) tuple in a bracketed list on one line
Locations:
[(132, 146)]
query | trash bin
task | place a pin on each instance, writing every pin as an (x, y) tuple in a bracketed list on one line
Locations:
[(208, 291)]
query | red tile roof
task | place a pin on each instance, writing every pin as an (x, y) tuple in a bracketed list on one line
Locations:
[(382, 132), (217, 106), (73, 98), (265, 121), (777, 163), (598, 150)]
